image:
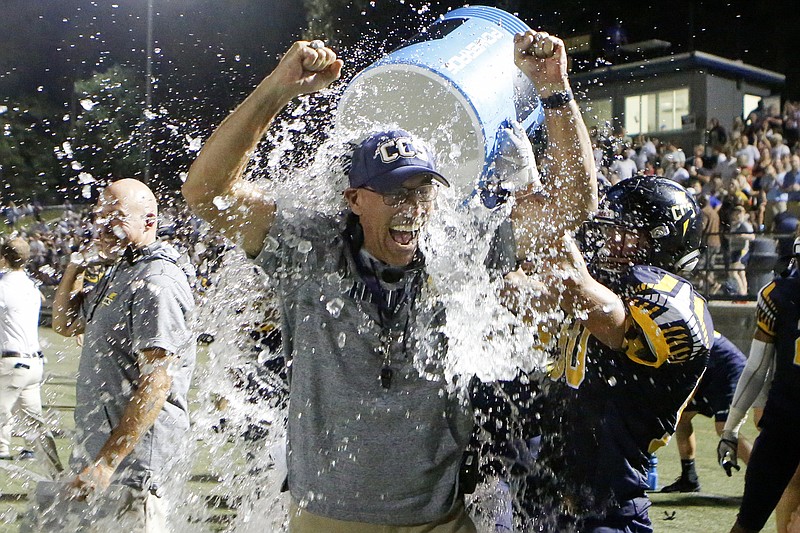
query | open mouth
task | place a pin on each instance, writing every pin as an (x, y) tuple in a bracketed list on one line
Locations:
[(403, 237), (405, 232)]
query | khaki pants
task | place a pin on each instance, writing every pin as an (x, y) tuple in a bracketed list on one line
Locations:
[(302, 521)]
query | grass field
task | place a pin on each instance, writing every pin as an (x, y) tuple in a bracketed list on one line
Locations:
[(712, 510)]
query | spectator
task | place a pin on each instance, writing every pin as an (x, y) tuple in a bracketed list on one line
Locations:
[(791, 185), (779, 149), (771, 186), (747, 152), (716, 136), (697, 166), (711, 240), (623, 167), (791, 123), (741, 233), (675, 171), (737, 129), (773, 120)]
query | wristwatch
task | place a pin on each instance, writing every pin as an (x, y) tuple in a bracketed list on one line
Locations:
[(558, 99)]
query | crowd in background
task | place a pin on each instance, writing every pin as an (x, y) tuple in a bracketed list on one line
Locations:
[(745, 177), (54, 232)]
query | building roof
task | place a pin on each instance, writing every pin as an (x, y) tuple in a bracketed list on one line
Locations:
[(685, 61)]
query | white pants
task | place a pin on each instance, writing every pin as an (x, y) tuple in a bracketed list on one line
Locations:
[(20, 383)]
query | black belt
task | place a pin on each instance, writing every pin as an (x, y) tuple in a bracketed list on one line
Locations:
[(23, 355)]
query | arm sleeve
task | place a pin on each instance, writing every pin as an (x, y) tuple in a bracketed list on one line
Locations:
[(759, 362), (750, 383)]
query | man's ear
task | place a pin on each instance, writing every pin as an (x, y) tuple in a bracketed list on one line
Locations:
[(150, 220), (353, 197)]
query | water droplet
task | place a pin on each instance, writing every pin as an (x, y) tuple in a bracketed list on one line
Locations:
[(304, 247), (84, 178), (341, 340), (195, 143), (223, 202), (334, 307)]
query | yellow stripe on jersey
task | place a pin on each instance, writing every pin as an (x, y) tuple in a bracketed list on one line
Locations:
[(666, 284), (700, 311), (656, 340)]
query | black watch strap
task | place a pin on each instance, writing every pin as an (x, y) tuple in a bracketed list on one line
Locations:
[(559, 99)]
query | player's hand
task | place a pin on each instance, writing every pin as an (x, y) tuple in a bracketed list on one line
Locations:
[(543, 58), (726, 452), (514, 163), (307, 67)]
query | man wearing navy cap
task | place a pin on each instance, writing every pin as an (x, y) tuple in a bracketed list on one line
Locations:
[(375, 442)]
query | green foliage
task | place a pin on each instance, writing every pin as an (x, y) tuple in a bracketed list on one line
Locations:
[(29, 131), (108, 136)]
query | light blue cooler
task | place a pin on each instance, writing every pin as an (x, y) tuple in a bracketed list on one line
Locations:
[(454, 85)]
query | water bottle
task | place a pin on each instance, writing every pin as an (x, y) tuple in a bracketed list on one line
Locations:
[(652, 473)]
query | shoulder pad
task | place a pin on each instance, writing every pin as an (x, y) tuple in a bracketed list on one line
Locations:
[(670, 321)]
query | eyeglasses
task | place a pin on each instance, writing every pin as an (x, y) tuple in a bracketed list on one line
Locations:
[(423, 193)]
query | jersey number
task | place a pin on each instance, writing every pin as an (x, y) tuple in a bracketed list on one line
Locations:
[(571, 360)]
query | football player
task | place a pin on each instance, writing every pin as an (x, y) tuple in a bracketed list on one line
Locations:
[(712, 399), (631, 350), (775, 457)]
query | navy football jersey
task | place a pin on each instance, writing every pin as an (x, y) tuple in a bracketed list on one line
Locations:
[(778, 315), (622, 405)]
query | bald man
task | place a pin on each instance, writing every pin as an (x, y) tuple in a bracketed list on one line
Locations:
[(131, 413)]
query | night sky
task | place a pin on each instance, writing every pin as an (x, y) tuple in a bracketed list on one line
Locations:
[(211, 52)]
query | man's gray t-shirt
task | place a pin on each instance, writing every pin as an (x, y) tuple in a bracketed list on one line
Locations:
[(360, 450), (135, 306)]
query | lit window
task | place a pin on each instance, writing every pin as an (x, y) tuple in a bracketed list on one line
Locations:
[(656, 112)]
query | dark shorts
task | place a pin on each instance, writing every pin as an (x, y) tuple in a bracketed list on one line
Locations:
[(630, 517), (713, 398)]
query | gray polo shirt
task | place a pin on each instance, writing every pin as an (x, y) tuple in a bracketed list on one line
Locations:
[(136, 306), (357, 450)]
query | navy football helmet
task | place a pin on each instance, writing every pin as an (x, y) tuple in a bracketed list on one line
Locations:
[(646, 220)]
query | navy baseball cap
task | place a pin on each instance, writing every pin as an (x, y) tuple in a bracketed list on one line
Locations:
[(385, 160)]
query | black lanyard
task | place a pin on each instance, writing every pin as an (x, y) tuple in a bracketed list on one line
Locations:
[(101, 288)]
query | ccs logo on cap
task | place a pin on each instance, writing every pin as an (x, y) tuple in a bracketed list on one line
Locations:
[(394, 149)]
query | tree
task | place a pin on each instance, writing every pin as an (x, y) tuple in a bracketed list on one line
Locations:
[(107, 137), (30, 130)]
